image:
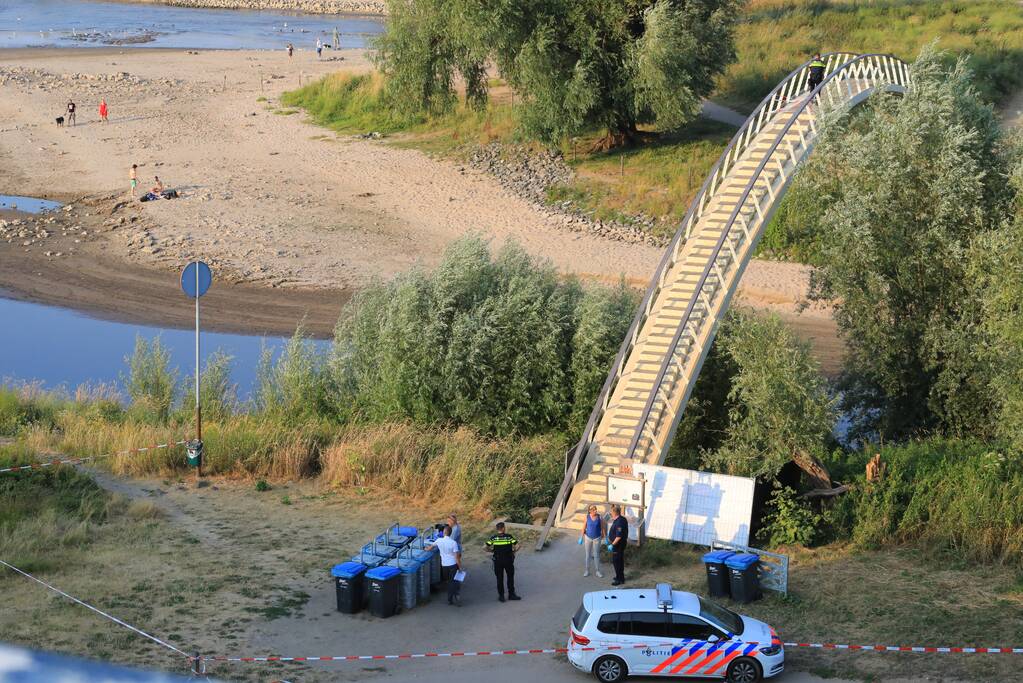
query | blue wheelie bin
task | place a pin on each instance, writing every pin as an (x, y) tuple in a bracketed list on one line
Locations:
[(394, 537), (382, 586), (349, 584), (744, 577), (423, 577), (717, 573)]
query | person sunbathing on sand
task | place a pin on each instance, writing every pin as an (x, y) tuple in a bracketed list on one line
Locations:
[(158, 188)]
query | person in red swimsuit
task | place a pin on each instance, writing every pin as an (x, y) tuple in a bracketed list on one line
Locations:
[(103, 110)]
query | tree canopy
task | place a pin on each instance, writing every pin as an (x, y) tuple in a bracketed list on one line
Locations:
[(903, 192), (613, 64)]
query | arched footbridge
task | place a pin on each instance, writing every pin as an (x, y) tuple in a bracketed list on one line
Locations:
[(642, 401)]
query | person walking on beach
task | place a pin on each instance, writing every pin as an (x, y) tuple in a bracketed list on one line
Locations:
[(450, 564), (103, 111), (70, 113), (618, 537), (817, 67), (590, 538), (133, 176), (337, 40), (291, 50), (319, 48)]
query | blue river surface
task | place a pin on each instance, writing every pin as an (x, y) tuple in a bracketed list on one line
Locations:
[(85, 23), (58, 347)]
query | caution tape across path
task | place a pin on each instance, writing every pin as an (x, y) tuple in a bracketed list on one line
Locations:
[(78, 461), (563, 650)]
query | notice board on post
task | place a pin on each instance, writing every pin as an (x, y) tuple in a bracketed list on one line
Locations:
[(696, 507)]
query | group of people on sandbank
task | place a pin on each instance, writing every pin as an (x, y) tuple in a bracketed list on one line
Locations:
[(320, 45), (70, 115)]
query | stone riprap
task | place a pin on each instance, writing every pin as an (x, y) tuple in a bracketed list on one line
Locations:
[(317, 6)]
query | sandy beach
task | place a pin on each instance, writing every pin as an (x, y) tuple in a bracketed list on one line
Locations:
[(281, 208)]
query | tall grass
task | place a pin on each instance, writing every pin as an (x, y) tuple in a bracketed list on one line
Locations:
[(777, 35), (958, 495), (350, 103), (151, 383), (45, 513), (459, 467)]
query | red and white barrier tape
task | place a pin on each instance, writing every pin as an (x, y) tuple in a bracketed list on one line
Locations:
[(916, 648), (76, 461), (564, 650)]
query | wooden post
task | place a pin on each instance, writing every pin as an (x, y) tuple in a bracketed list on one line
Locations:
[(622, 158)]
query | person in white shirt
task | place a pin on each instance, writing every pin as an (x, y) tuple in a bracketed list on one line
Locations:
[(450, 563)]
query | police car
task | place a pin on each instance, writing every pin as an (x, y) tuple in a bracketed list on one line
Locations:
[(664, 632)]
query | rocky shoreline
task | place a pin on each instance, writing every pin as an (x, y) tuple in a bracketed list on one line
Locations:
[(530, 174), (314, 6)]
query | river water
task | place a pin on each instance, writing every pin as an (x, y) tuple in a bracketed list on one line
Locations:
[(84, 23), (57, 347)]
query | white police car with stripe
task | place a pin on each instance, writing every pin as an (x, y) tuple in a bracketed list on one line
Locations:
[(664, 632)]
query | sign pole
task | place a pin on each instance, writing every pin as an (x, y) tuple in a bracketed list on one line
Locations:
[(196, 279), (198, 408)]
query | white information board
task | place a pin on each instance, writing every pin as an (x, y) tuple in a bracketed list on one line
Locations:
[(625, 490), (696, 507)]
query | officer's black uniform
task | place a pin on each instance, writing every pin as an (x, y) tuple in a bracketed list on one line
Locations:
[(503, 545), (817, 67)]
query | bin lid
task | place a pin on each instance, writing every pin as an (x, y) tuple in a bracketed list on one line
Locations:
[(382, 573), (717, 556), (369, 560), (409, 531), (348, 570), (742, 561)]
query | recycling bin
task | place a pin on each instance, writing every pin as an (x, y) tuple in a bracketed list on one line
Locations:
[(380, 549), (744, 577), (394, 537), (348, 584), (408, 583), (382, 587), (420, 543), (424, 576), (371, 561), (718, 573)]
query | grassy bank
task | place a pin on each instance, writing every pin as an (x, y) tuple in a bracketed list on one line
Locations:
[(655, 178), (777, 35)]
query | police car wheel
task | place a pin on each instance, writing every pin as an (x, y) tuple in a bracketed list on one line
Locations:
[(610, 669), (743, 670)]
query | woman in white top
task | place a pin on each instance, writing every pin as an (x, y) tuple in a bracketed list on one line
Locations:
[(450, 562)]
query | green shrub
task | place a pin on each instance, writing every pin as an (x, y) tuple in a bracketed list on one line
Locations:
[(789, 520), (293, 386), (151, 383), (502, 344), (218, 396), (958, 495)]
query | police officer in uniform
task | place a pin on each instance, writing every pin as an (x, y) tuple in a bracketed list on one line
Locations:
[(817, 67), (503, 547)]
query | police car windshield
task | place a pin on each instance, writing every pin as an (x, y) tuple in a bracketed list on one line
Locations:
[(726, 620)]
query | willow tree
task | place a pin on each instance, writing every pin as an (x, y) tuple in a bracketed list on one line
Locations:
[(577, 64)]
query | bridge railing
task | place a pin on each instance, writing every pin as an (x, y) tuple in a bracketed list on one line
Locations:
[(843, 85), (791, 86)]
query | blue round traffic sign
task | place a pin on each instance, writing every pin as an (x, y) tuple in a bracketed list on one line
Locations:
[(196, 278)]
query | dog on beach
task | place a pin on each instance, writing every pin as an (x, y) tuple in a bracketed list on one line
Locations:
[(60, 122)]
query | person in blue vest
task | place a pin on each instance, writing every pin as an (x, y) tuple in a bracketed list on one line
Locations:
[(618, 538), (817, 67), (590, 539)]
